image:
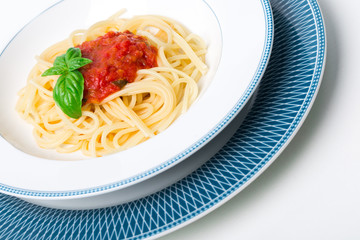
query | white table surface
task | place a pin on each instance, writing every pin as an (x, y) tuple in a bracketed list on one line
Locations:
[(285, 203)]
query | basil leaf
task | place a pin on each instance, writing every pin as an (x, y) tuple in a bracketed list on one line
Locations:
[(72, 53), (69, 88), (60, 62), (68, 93), (79, 62), (54, 71)]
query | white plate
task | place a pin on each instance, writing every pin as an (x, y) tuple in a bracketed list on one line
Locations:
[(237, 60)]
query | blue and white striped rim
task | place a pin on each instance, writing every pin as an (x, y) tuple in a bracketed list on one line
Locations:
[(243, 100)]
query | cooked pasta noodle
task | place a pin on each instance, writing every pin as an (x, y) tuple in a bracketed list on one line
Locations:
[(135, 113)]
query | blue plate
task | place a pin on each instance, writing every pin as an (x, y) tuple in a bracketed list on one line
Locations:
[(284, 98)]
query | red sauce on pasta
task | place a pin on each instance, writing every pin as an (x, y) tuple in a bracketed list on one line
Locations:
[(116, 58)]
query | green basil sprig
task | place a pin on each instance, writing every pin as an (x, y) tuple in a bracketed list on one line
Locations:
[(69, 88)]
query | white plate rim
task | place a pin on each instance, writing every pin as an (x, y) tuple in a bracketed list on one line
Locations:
[(141, 177)]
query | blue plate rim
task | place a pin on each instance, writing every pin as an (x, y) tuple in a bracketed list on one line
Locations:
[(282, 144)]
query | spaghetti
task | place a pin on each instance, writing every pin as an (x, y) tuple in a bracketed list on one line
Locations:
[(125, 118)]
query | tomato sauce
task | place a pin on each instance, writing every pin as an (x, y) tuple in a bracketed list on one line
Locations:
[(116, 58)]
